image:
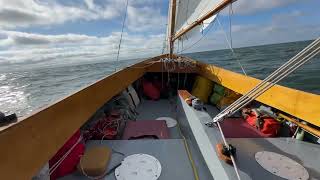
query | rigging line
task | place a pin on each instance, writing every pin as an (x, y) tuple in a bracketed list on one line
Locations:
[(203, 35), (275, 73), (230, 24), (165, 41), (257, 93), (308, 57), (261, 88), (281, 68), (230, 47), (231, 156), (124, 20)]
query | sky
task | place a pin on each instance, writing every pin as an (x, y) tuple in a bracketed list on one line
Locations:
[(75, 31)]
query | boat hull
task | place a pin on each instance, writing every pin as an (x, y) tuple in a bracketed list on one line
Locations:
[(29, 144)]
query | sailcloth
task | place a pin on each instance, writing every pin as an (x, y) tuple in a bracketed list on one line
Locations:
[(189, 11)]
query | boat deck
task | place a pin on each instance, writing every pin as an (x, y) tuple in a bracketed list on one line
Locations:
[(174, 158)]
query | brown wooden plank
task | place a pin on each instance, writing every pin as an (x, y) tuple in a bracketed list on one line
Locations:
[(309, 129)]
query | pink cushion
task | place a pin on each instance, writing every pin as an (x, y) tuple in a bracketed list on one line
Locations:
[(146, 129)]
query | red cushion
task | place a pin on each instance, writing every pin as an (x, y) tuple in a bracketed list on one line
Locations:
[(270, 127), (68, 165), (150, 90), (251, 119)]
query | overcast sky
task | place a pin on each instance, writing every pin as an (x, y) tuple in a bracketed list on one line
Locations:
[(41, 31)]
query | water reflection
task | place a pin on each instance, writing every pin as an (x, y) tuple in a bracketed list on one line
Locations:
[(13, 99)]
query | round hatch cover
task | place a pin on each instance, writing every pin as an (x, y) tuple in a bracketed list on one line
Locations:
[(281, 166), (169, 121), (138, 167)]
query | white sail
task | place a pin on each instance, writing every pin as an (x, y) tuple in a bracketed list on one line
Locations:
[(189, 11), (207, 22)]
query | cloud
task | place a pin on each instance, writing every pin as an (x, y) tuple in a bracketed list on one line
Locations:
[(142, 14), (283, 27), (21, 47), (145, 18), (24, 13), (22, 38)]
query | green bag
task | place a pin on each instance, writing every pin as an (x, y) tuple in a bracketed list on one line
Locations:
[(215, 98), (218, 89)]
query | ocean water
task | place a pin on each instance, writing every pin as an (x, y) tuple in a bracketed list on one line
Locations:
[(26, 88)]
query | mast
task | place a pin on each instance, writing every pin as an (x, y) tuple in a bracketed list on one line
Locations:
[(214, 11), (172, 25)]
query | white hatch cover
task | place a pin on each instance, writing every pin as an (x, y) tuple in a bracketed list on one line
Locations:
[(169, 121), (138, 167), (281, 166)]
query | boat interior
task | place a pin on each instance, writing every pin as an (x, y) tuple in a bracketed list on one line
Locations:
[(188, 150), (163, 125)]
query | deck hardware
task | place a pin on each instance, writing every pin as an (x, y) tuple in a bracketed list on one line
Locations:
[(139, 167), (281, 166)]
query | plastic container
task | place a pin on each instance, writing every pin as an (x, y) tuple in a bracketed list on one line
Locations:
[(202, 88)]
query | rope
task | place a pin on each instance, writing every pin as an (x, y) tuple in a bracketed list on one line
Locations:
[(230, 23), (286, 72), (194, 169), (283, 71), (57, 164), (231, 156), (230, 46), (124, 20), (164, 42), (186, 146), (275, 72)]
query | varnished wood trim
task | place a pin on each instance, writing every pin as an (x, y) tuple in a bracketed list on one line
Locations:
[(309, 129)]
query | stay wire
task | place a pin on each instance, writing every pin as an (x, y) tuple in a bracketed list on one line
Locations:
[(230, 24), (274, 77), (230, 47), (123, 23)]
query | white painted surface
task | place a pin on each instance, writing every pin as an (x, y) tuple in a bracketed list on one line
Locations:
[(139, 167), (169, 121), (281, 165)]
